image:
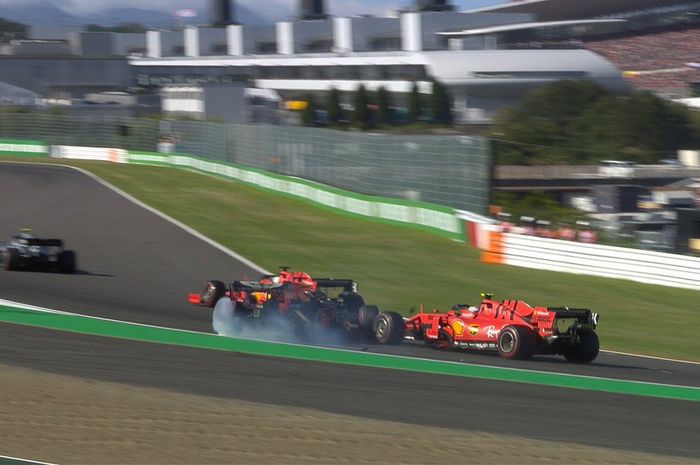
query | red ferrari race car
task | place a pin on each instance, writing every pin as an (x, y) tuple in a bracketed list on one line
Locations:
[(514, 328), (297, 303)]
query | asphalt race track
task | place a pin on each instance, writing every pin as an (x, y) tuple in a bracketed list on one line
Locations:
[(135, 266)]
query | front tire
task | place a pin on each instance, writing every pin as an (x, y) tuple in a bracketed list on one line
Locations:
[(389, 328), (213, 291), (516, 342), (586, 348)]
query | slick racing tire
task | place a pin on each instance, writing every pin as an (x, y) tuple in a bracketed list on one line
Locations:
[(68, 262), (388, 328), (445, 341), (213, 291), (10, 259), (366, 316), (585, 348), (516, 342)]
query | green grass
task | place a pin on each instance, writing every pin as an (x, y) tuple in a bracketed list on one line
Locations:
[(399, 268)]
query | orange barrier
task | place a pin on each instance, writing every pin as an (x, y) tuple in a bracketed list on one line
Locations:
[(494, 253)]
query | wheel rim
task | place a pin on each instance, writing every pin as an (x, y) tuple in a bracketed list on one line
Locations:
[(382, 327), (507, 342), (208, 292)]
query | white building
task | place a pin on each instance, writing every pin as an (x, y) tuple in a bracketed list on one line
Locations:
[(468, 51)]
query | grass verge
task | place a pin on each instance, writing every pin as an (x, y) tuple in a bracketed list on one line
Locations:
[(399, 268)]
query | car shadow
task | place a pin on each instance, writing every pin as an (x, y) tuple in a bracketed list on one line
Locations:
[(89, 273)]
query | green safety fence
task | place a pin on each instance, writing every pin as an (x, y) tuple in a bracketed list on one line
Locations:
[(23, 148), (421, 215)]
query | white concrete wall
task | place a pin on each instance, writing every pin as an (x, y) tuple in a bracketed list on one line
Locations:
[(411, 32), (153, 47), (234, 39), (285, 38), (342, 35), (191, 36), (600, 260)]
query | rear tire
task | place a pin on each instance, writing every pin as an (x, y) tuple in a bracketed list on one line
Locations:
[(10, 259), (587, 348), (388, 328), (516, 342), (366, 316), (213, 291), (68, 262)]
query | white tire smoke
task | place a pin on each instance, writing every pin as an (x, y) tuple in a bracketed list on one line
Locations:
[(222, 319)]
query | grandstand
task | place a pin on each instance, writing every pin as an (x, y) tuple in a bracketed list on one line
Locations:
[(653, 46)]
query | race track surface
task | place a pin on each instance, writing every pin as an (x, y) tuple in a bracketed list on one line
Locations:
[(133, 265), (537, 412), (138, 267)]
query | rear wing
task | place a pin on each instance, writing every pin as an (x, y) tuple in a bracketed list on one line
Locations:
[(583, 315), (40, 242), (347, 284)]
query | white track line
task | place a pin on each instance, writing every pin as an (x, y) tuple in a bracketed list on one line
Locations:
[(26, 460), (177, 223), (650, 357), (162, 215)]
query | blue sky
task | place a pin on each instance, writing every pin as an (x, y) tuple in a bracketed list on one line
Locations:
[(272, 9)]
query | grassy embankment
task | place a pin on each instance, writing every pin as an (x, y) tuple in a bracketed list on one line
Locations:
[(399, 268)]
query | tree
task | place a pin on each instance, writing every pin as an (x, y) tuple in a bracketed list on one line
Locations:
[(441, 104), (571, 122), (414, 104), (308, 115), (361, 116), (383, 106), (334, 110)]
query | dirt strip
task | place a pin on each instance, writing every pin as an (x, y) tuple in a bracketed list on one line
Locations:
[(68, 420)]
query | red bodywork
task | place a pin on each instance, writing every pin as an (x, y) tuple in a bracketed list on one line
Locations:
[(283, 288), (296, 297), (547, 330)]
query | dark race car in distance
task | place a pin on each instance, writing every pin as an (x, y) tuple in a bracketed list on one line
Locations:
[(25, 251)]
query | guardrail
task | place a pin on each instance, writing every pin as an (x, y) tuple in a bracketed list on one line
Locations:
[(434, 218), (591, 259)]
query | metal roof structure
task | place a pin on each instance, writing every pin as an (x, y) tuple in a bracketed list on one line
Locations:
[(526, 26), (14, 95), (557, 10)]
